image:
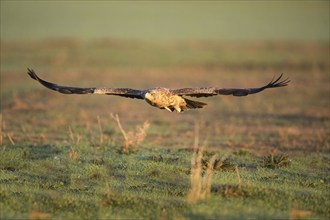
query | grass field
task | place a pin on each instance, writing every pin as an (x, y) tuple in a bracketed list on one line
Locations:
[(63, 156)]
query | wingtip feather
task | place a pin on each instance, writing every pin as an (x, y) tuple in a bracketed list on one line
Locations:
[(277, 83), (32, 74)]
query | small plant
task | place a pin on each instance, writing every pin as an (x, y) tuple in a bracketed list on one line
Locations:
[(228, 190), (200, 183), (133, 139), (223, 165), (275, 161)]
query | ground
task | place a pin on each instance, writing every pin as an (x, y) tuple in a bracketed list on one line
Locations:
[(64, 156)]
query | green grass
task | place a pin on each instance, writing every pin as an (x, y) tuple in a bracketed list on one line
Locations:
[(62, 156), (104, 183)]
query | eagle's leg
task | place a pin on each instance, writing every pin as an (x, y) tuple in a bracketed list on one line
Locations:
[(177, 108), (168, 109)]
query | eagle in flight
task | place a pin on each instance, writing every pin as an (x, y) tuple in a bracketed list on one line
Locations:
[(163, 98)]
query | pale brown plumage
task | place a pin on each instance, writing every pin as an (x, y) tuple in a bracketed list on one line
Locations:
[(163, 98)]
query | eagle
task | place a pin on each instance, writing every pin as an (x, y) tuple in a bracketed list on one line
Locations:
[(163, 98)]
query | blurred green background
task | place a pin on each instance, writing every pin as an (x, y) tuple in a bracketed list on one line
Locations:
[(163, 21)]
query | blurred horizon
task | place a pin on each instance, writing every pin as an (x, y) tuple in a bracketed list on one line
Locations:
[(166, 21)]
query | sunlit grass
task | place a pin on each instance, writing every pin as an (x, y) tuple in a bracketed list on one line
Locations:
[(46, 179)]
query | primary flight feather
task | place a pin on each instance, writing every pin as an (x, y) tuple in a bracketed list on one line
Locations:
[(163, 98)]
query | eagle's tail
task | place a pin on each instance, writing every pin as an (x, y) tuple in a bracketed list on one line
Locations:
[(194, 104)]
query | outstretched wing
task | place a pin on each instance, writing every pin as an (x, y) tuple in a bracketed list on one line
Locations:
[(243, 92), (195, 92), (125, 92), (204, 92)]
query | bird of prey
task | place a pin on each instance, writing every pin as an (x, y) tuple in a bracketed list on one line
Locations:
[(163, 98)]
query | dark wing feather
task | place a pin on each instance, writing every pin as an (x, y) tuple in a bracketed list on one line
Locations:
[(211, 91), (125, 92), (195, 92), (244, 92)]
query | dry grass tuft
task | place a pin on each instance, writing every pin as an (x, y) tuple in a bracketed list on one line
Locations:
[(75, 138), (133, 139), (38, 215), (200, 183), (73, 154), (10, 137), (1, 134), (238, 177), (299, 214), (102, 137), (107, 195)]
